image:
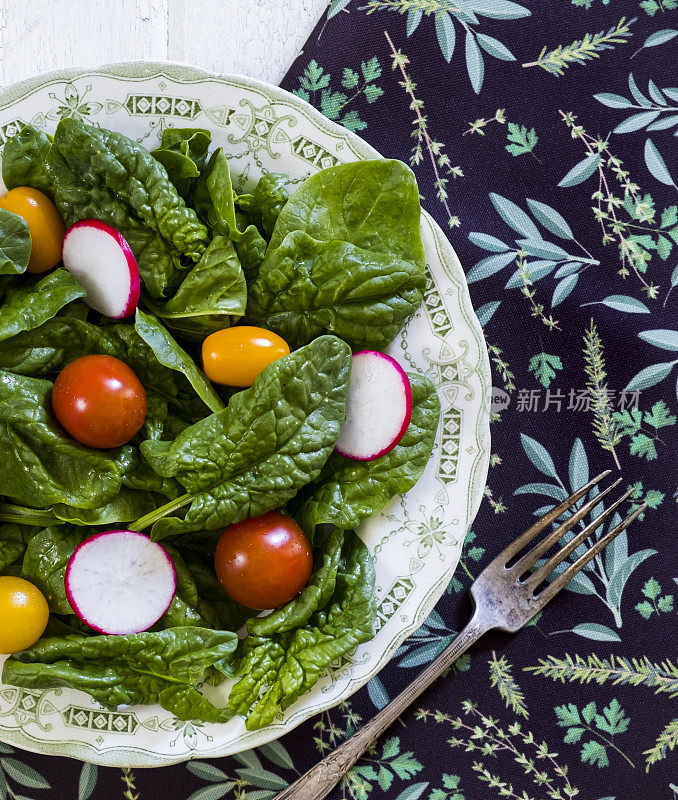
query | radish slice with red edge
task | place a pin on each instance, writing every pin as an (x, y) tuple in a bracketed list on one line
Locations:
[(120, 582), (378, 407), (104, 263)]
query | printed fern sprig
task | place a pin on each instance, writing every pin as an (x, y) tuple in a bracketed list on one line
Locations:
[(663, 678), (440, 161), (667, 740), (605, 428), (556, 61), (501, 677), (480, 734)]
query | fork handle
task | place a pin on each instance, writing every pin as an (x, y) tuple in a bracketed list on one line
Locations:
[(319, 781)]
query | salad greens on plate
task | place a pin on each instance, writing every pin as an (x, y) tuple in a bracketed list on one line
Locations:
[(332, 268)]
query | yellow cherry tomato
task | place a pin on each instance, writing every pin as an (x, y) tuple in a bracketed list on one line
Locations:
[(44, 223), (24, 614), (235, 356)]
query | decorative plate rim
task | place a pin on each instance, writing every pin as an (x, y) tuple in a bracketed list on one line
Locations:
[(118, 754)]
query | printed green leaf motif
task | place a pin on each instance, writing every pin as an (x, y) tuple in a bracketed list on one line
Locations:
[(612, 721), (544, 365), (445, 34), (622, 302), (15, 243), (551, 219), (521, 140), (27, 306), (656, 164), (162, 667), (273, 438), (515, 217), (650, 376), (538, 455), (41, 465), (581, 171), (347, 492), (661, 337)]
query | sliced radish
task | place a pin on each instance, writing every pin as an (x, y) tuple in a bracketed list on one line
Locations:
[(378, 407), (104, 263), (120, 582)]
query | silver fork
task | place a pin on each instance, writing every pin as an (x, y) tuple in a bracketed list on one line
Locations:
[(505, 595)]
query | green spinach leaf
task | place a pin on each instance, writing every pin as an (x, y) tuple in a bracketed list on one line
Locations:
[(265, 203), (152, 667), (228, 615), (183, 152), (347, 492), (126, 506), (272, 439), (187, 608), (24, 160), (276, 670), (15, 243), (12, 545), (211, 294), (45, 561), (41, 465), (173, 356), (306, 287), (27, 307)]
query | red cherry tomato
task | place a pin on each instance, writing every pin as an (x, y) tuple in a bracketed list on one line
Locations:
[(263, 562), (99, 401)]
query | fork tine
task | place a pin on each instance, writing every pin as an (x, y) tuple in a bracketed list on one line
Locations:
[(548, 541), (543, 522), (554, 587), (546, 569)]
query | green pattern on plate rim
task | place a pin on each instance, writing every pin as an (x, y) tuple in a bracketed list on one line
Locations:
[(417, 539)]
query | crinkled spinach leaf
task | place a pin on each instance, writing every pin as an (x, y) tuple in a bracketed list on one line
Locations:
[(45, 561), (15, 243), (171, 355), (306, 287), (28, 306), (315, 595), (187, 607), (264, 204), (127, 505), (347, 492), (276, 670), (42, 466), (271, 440), (211, 294), (24, 161), (183, 152), (152, 667)]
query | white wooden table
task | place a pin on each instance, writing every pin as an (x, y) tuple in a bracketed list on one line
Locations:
[(259, 38)]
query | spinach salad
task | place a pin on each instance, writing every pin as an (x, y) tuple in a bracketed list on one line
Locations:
[(330, 270)]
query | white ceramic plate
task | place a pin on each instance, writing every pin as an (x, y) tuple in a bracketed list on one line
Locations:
[(417, 540)]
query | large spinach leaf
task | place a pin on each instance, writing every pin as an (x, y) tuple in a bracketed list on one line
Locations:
[(271, 440), (41, 466), (183, 152), (211, 294), (347, 492), (127, 505), (45, 561), (371, 204), (345, 256), (173, 356), (27, 307), (138, 474), (153, 667), (15, 243), (306, 287), (276, 670)]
